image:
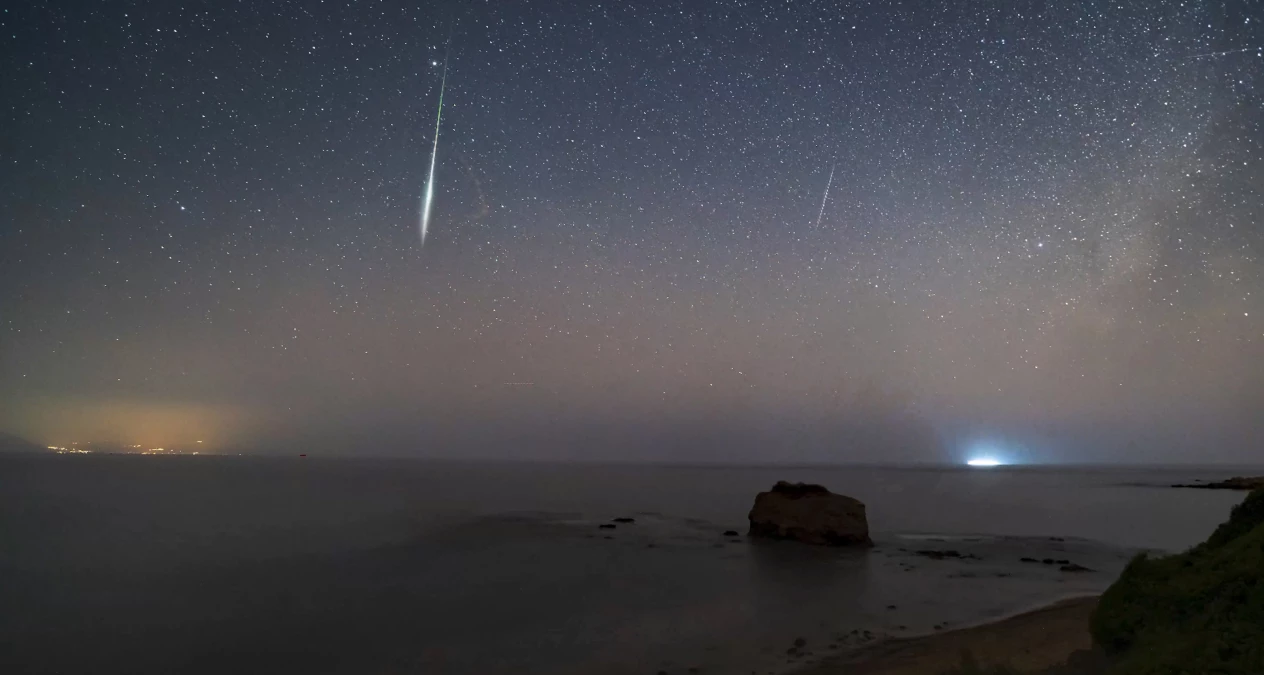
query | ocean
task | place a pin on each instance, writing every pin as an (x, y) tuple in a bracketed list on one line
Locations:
[(131, 564)]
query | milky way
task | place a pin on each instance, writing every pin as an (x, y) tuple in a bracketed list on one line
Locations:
[(1043, 229)]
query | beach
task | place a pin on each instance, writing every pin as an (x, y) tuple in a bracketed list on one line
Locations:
[(1032, 642)]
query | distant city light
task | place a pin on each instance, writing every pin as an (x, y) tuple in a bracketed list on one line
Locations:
[(983, 461), (88, 448), (69, 451)]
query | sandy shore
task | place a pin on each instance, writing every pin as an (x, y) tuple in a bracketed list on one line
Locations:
[(1031, 642)]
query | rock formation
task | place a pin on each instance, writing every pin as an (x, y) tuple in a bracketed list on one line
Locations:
[(811, 514), (1235, 483)]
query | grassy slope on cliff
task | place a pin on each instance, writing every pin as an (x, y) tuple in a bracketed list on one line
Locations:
[(1201, 611)]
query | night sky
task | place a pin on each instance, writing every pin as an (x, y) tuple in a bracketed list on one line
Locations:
[(1043, 231)]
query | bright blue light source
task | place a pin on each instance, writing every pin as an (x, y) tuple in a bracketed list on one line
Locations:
[(983, 461)]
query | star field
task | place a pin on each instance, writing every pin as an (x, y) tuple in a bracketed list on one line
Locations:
[(1044, 225)]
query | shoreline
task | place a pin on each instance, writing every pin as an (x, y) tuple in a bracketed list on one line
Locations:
[(1030, 642)]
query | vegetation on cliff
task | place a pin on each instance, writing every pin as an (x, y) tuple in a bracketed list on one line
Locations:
[(1201, 611)]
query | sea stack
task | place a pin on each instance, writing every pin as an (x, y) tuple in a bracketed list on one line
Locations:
[(810, 514)]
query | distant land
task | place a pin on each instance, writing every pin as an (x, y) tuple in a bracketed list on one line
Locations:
[(14, 444)]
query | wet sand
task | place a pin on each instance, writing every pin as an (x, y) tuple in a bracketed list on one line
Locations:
[(1032, 642)]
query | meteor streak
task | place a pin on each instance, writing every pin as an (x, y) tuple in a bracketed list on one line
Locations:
[(434, 151), (824, 199), (1211, 55)]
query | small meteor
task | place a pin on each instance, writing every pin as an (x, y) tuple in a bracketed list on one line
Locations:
[(1212, 55), (825, 198), (434, 152)]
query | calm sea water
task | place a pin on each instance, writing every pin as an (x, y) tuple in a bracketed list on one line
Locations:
[(229, 564)]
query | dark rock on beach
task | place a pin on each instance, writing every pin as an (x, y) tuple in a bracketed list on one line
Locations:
[(606, 526), (624, 520), (731, 533), (810, 514), (1066, 565)]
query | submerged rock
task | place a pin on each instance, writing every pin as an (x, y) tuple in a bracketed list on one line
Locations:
[(940, 555), (623, 520), (810, 514)]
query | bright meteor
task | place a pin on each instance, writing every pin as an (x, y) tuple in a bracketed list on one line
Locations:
[(434, 151)]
